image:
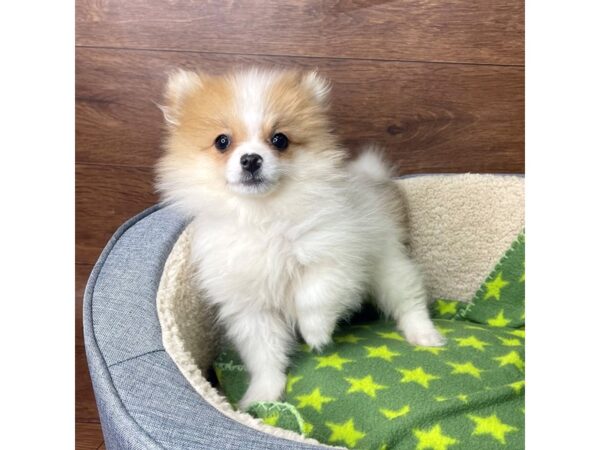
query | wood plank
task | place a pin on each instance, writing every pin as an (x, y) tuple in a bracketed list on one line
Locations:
[(430, 117), (490, 32), (86, 409), (85, 403), (106, 197), (88, 436), (82, 273)]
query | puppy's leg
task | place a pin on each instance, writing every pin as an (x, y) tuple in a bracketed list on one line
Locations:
[(323, 295), (400, 293), (263, 341)]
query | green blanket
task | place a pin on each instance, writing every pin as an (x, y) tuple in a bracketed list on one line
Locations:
[(372, 390)]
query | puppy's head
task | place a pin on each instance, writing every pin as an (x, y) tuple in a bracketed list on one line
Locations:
[(247, 133)]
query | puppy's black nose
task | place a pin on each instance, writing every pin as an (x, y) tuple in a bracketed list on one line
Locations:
[(251, 162)]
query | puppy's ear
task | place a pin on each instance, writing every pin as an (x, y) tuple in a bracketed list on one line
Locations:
[(318, 86), (179, 85)]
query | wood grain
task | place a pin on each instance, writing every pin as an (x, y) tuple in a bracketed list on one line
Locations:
[(85, 403), (106, 196), (488, 32), (430, 117), (88, 436)]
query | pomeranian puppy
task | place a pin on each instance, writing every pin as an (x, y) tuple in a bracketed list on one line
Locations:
[(288, 234)]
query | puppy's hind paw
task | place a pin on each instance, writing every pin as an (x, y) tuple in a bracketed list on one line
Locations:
[(425, 338)]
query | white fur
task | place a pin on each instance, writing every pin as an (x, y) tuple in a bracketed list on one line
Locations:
[(301, 257)]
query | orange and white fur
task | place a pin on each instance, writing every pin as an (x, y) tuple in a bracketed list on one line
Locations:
[(288, 235)]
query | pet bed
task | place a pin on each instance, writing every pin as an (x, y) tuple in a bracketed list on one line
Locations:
[(151, 341)]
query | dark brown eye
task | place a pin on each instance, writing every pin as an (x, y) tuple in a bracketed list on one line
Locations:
[(222, 142), (279, 141)]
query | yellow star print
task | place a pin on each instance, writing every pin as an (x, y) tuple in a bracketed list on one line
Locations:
[(519, 333), (511, 358), (271, 419), (349, 338), (366, 385), (307, 428), (391, 414), (510, 342), (291, 381), (518, 385), (434, 350), (345, 432), (433, 439), (335, 361), (471, 341), (467, 368), (445, 331), (446, 307), (494, 287), (491, 425), (382, 352), (314, 400), (391, 335), (499, 320), (418, 376)]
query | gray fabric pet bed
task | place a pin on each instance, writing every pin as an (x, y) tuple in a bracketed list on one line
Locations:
[(150, 339)]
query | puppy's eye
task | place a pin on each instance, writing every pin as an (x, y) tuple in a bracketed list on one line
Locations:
[(222, 142), (279, 141)]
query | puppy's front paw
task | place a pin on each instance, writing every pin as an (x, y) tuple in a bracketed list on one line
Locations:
[(263, 392), (429, 337), (317, 339)]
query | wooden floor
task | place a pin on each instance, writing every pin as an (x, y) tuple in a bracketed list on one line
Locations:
[(440, 83)]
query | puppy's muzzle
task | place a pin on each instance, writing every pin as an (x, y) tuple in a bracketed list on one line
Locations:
[(251, 163)]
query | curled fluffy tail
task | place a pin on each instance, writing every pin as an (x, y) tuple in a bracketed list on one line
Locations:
[(371, 163)]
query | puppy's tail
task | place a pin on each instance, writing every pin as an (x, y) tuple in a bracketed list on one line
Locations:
[(371, 163)]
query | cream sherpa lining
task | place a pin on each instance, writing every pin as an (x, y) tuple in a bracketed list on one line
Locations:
[(460, 225)]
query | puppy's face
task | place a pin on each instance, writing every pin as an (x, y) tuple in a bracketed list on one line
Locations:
[(245, 133)]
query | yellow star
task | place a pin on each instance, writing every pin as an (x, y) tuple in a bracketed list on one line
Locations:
[(499, 320), (433, 439), (271, 419), (366, 385), (382, 352), (334, 361), (445, 330), (290, 383), (349, 338), (391, 414), (446, 307), (391, 335), (314, 400), (418, 376), (491, 425), (434, 350), (510, 342), (307, 428), (519, 333), (467, 368), (494, 287), (471, 341), (511, 358), (462, 397), (345, 433), (518, 385)]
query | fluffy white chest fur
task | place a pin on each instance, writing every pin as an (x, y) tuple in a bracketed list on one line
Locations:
[(288, 236)]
